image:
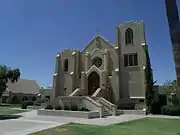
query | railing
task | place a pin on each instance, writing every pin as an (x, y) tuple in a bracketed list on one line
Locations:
[(109, 105), (76, 92), (97, 93)]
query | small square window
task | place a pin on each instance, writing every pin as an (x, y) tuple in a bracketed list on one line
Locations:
[(130, 60), (135, 60)]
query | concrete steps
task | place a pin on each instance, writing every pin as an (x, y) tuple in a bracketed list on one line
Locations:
[(107, 111)]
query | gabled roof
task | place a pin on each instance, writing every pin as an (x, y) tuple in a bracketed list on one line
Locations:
[(94, 38), (24, 86)]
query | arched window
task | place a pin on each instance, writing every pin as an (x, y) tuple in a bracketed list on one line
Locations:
[(66, 65), (129, 36)]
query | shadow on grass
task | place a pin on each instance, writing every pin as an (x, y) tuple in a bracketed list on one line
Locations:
[(10, 105), (4, 105), (7, 117)]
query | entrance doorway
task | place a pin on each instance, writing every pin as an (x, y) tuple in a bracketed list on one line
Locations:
[(93, 83)]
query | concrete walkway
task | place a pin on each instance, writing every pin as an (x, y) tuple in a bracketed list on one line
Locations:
[(164, 116), (31, 122), (111, 120)]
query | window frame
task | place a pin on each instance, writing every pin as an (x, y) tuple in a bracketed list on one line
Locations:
[(66, 65), (129, 36), (135, 61)]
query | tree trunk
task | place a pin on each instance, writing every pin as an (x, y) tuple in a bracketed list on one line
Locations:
[(174, 29)]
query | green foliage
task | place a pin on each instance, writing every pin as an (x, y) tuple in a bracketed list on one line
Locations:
[(155, 108), (7, 74), (58, 107), (127, 106), (74, 107), (33, 98), (49, 107), (148, 80), (44, 100), (66, 107), (175, 100), (169, 87), (84, 109), (37, 102), (173, 110), (26, 103)]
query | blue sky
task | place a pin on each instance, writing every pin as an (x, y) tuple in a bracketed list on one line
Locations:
[(32, 32)]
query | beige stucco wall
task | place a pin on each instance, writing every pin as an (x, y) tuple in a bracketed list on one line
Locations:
[(133, 77), (126, 81)]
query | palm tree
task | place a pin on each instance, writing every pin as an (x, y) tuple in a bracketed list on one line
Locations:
[(7, 74), (174, 29)]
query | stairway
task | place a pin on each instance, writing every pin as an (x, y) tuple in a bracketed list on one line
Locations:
[(107, 110)]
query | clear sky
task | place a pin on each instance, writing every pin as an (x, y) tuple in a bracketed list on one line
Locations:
[(32, 32)]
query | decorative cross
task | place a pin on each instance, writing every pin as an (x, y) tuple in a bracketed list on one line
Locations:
[(97, 31)]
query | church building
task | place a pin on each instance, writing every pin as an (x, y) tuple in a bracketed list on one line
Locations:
[(112, 71)]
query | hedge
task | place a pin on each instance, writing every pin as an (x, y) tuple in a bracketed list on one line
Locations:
[(171, 110), (25, 104)]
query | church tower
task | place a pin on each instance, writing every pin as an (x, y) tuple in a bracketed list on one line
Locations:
[(174, 29)]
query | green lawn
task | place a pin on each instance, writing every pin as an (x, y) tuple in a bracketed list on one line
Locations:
[(11, 105), (6, 110), (9, 111), (148, 126)]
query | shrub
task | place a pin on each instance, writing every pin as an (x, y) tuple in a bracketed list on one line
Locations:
[(171, 110), (84, 109), (33, 98), (74, 107), (127, 106), (175, 100), (44, 100), (66, 107), (162, 99), (49, 107), (37, 103), (155, 108), (25, 104), (58, 107)]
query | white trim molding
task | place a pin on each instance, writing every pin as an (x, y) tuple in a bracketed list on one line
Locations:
[(140, 97)]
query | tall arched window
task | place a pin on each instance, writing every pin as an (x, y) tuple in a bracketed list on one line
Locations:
[(66, 65), (129, 36)]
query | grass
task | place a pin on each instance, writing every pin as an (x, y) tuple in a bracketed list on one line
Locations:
[(9, 111), (10, 105), (148, 126)]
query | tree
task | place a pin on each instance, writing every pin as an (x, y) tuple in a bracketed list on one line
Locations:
[(170, 87), (7, 74), (174, 24), (148, 81)]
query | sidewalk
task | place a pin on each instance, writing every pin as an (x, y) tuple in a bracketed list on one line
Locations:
[(30, 122), (164, 116)]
